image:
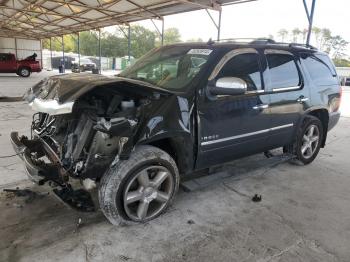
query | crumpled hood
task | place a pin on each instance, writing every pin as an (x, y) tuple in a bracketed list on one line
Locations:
[(69, 87)]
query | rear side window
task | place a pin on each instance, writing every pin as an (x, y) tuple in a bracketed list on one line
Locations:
[(246, 67), (320, 72), (325, 59), (283, 71)]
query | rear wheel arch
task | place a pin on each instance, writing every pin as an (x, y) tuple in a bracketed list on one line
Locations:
[(323, 116)]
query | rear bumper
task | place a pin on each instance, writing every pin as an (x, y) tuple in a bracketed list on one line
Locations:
[(37, 171), (333, 119)]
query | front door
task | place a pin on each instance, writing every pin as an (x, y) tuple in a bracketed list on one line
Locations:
[(234, 126)]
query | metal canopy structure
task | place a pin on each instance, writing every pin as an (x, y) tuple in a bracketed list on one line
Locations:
[(47, 18)]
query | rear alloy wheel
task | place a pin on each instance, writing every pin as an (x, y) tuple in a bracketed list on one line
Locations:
[(24, 72), (140, 188), (308, 141)]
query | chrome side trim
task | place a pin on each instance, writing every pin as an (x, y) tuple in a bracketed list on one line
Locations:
[(286, 88), (51, 107), (245, 135), (280, 127)]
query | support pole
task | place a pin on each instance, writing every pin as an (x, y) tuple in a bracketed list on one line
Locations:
[(310, 16), (79, 50), (41, 54), (160, 32), (51, 53), (16, 48), (129, 44), (219, 25), (163, 31), (99, 50), (63, 58), (216, 24)]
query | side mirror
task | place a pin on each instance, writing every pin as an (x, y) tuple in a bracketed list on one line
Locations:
[(229, 86)]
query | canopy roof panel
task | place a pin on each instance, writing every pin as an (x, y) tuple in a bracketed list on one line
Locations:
[(47, 18)]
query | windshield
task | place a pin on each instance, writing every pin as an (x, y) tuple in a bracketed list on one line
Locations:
[(171, 68)]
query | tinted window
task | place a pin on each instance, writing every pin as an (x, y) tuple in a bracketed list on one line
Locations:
[(325, 59), (246, 67), (283, 71), (319, 71)]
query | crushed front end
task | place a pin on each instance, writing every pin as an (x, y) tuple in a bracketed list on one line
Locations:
[(80, 139)]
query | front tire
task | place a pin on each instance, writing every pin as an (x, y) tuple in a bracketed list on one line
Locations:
[(308, 141), (139, 189)]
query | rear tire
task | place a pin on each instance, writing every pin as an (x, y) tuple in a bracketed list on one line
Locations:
[(139, 189), (308, 141), (24, 72)]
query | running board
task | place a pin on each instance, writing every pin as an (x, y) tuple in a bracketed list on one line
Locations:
[(244, 167)]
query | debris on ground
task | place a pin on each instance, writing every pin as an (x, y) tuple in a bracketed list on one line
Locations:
[(17, 205), (124, 258), (29, 194), (257, 198), (190, 222), (78, 225)]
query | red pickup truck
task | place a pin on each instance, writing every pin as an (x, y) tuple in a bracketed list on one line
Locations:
[(9, 64)]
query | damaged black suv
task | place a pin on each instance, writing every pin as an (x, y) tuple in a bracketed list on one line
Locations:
[(178, 110)]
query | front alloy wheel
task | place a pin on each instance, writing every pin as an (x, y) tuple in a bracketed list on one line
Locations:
[(140, 188), (147, 194)]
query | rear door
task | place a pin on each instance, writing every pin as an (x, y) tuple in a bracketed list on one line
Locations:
[(234, 126), (289, 97)]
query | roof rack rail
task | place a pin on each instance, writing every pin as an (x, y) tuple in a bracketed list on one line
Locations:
[(260, 41), (245, 40), (302, 45)]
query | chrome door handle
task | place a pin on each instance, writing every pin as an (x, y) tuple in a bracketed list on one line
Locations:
[(262, 106), (302, 99)]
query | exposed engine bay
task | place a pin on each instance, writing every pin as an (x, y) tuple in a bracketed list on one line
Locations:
[(85, 142)]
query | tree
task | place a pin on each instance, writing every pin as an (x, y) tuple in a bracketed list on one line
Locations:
[(341, 62), (296, 32), (142, 40), (283, 33), (304, 34), (195, 40), (171, 36)]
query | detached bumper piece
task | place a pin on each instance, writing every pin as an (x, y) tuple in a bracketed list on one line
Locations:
[(40, 172), (30, 151)]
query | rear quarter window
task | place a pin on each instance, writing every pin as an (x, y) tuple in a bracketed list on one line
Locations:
[(321, 69)]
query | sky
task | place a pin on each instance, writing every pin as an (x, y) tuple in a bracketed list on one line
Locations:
[(261, 18)]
